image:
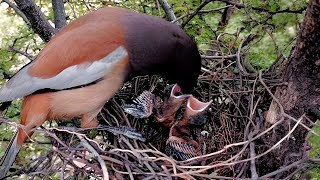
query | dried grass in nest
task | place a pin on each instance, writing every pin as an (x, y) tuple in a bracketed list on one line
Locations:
[(240, 143)]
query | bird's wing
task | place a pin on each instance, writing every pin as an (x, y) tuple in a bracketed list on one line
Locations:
[(82, 53), (142, 106)]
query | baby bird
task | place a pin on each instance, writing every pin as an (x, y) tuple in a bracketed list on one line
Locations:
[(146, 102), (180, 145)]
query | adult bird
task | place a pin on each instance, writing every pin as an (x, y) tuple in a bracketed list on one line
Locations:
[(88, 61)]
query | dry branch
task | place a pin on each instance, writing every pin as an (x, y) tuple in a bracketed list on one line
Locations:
[(17, 10), (202, 5), (240, 5), (59, 14), (168, 10), (39, 23)]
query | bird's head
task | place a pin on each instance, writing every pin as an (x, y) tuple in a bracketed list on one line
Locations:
[(195, 113), (186, 68), (162, 49), (172, 103)]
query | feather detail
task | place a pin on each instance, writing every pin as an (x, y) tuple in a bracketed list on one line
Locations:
[(23, 84), (179, 149), (124, 130), (142, 106)]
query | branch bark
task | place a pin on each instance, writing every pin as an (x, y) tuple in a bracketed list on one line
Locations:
[(17, 10), (302, 94), (226, 16), (169, 11), (37, 19), (240, 5), (202, 5), (59, 14)]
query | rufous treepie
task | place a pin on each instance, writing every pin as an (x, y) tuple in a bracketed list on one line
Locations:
[(88, 61)]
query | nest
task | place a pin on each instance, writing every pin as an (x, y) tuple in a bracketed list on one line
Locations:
[(237, 142)]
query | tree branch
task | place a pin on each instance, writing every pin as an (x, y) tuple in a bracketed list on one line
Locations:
[(202, 12), (17, 10), (240, 5), (196, 12), (168, 10), (59, 14), (37, 19), (12, 49), (226, 16)]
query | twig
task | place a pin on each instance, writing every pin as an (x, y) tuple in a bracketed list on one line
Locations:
[(201, 12), (95, 154), (37, 19), (158, 7), (12, 49), (254, 174), (295, 164), (168, 10), (59, 14), (239, 5), (239, 64), (17, 10), (202, 5), (231, 56), (73, 10)]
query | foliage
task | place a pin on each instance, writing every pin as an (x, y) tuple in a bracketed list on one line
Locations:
[(314, 142), (315, 151)]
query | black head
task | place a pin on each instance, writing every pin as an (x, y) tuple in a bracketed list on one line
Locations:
[(187, 66), (159, 47)]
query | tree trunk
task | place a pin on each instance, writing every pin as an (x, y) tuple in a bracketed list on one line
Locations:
[(301, 94), (37, 19)]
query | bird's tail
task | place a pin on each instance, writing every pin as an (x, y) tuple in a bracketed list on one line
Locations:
[(9, 156)]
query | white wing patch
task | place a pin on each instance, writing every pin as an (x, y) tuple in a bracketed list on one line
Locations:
[(22, 84)]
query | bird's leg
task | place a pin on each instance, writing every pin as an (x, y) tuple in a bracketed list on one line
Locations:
[(89, 120), (88, 123)]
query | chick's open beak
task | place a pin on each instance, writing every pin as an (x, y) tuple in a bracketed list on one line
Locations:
[(180, 145), (195, 112), (169, 108)]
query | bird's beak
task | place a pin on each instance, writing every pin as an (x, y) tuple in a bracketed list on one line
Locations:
[(195, 112), (169, 108), (176, 93), (195, 106), (179, 144)]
